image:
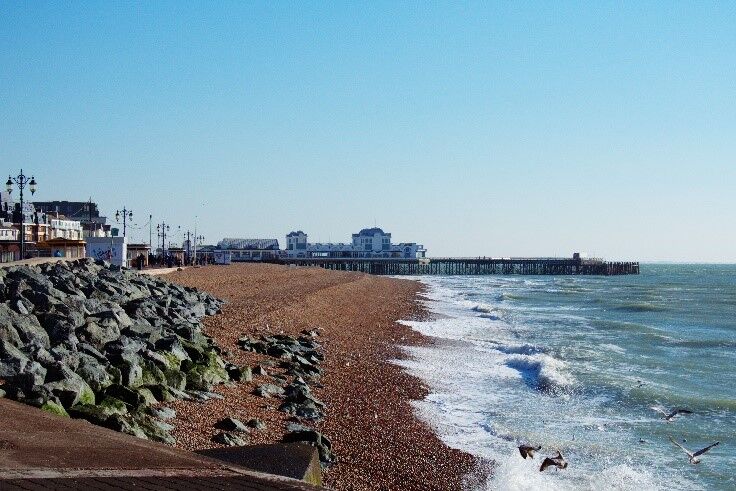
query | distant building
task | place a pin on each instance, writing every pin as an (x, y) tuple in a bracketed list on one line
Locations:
[(85, 212), (368, 243), (34, 226), (9, 244), (133, 251), (250, 249)]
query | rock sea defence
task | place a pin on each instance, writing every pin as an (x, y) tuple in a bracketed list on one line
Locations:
[(89, 340)]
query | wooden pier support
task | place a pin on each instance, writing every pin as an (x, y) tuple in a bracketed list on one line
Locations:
[(467, 266)]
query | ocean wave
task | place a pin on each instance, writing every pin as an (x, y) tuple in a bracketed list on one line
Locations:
[(704, 343), (483, 308), (509, 296), (613, 347), (640, 307), (542, 372)]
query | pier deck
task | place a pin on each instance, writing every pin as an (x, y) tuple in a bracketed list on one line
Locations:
[(469, 266)]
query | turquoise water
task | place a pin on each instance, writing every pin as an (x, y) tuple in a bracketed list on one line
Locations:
[(576, 363)]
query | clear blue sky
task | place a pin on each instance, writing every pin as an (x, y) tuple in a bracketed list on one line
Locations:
[(476, 128)]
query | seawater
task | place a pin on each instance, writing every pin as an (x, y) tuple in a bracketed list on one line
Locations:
[(575, 364)]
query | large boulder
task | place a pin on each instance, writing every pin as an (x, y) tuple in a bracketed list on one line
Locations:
[(70, 388), (25, 325)]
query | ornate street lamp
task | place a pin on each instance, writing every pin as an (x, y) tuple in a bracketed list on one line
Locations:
[(126, 214), (161, 229), (21, 180)]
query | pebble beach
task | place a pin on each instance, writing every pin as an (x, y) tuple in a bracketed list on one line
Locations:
[(369, 418)]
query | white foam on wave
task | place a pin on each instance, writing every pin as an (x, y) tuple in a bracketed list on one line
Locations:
[(542, 371), (613, 347), (491, 391)]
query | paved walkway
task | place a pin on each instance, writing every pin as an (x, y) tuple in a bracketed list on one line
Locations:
[(39, 450)]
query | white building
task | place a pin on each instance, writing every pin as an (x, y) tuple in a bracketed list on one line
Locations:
[(66, 229), (111, 249), (368, 243)]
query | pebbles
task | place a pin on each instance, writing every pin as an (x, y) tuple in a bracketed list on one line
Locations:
[(370, 419)]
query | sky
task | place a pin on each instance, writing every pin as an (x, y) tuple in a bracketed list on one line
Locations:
[(474, 128)]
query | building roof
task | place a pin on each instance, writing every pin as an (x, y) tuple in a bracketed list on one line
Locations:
[(249, 244), (370, 232), (295, 234)]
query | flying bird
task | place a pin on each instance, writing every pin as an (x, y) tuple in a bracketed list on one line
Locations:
[(693, 456), (556, 461), (528, 450), (670, 416)]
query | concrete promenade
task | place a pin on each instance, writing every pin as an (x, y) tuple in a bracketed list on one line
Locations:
[(39, 450)]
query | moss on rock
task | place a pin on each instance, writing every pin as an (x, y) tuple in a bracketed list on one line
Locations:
[(54, 408)]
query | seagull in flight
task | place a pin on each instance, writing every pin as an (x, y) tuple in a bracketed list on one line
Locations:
[(670, 416), (693, 456), (556, 461), (528, 450)]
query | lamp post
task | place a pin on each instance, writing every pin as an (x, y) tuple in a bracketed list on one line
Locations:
[(126, 214), (161, 229), (200, 239), (21, 180)]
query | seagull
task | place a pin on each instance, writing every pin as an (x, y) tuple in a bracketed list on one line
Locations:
[(556, 461), (693, 456), (671, 415), (528, 450)]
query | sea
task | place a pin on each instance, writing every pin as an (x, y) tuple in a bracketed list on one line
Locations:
[(576, 364)]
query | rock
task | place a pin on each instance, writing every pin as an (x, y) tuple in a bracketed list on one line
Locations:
[(231, 424), (268, 390), (12, 360), (94, 373), (163, 412), (129, 396), (203, 395), (256, 424), (69, 387), (155, 430), (147, 396), (229, 440), (26, 326), (100, 413), (80, 332), (299, 433), (54, 408), (125, 424), (239, 374), (2, 393), (306, 410), (260, 370)]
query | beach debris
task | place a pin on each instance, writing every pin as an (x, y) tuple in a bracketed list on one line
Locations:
[(554, 461), (693, 456), (669, 416), (95, 341), (229, 440), (528, 450)]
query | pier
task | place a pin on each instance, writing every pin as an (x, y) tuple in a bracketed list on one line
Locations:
[(469, 266)]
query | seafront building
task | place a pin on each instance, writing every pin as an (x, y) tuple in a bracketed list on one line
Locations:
[(85, 212), (248, 249), (371, 243)]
